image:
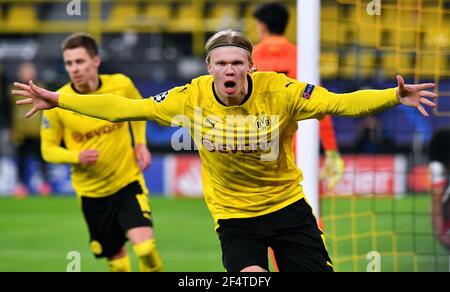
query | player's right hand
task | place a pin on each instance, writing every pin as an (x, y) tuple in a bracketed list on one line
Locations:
[(40, 98), (88, 157), (143, 156)]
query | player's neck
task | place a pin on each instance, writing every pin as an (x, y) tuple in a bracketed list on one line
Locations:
[(90, 86), (233, 100), (274, 35)]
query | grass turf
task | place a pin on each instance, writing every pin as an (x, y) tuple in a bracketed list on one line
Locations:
[(38, 233)]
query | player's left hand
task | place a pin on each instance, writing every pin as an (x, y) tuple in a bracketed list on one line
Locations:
[(143, 156), (415, 95), (333, 169)]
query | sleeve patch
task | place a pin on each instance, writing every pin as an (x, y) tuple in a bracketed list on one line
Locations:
[(160, 97), (308, 91)]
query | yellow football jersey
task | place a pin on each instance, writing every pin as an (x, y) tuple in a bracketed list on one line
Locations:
[(247, 155), (116, 166)]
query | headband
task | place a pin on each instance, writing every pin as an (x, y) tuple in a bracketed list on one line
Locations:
[(229, 45)]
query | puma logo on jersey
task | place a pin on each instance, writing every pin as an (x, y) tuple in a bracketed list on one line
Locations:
[(210, 123), (287, 85)]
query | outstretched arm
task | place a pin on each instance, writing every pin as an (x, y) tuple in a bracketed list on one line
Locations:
[(366, 102), (314, 101), (164, 108), (106, 106)]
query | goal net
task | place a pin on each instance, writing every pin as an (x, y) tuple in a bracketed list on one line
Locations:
[(378, 216)]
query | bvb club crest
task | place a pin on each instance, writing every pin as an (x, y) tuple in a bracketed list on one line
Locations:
[(263, 122)]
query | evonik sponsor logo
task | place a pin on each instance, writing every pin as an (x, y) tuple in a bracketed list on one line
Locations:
[(233, 134), (103, 130)]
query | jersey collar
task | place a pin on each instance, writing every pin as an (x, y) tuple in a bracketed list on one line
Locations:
[(98, 88)]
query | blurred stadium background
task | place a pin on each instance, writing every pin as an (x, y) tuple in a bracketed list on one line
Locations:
[(382, 204)]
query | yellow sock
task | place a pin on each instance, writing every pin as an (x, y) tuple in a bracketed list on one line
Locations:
[(120, 265), (148, 255)]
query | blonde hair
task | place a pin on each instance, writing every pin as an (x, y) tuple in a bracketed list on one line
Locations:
[(228, 38)]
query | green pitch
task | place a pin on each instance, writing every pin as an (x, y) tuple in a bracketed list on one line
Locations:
[(398, 229), (38, 233)]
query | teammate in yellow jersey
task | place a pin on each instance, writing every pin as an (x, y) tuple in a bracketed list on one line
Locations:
[(276, 53), (242, 123), (106, 173)]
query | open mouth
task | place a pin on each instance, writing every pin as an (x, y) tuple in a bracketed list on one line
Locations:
[(230, 87), (230, 84)]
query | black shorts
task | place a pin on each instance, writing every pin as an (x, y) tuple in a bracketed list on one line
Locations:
[(109, 218), (291, 232)]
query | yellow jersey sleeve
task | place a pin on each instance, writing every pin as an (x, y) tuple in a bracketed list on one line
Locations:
[(309, 101), (162, 108), (139, 127), (51, 136), (169, 108)]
